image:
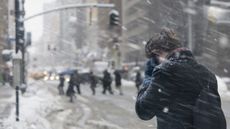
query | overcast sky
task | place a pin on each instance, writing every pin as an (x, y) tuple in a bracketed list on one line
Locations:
[(35, 25)]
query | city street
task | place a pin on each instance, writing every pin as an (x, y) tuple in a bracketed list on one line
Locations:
[(97, 112), (88, 111), (182, 45)]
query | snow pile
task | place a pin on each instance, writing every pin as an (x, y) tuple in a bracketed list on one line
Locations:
[(128, 83), (102, 124), (35, 105), (222, 87), (227, 80)]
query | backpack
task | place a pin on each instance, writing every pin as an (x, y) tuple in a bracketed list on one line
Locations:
[(207, 112)]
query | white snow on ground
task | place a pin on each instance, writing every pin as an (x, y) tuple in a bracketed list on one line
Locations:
[(222, 86), (35, 105), (128, 83), (225, 79)]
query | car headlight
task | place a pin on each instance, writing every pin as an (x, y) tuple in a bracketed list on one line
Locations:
[(52, 78), (46, 78), (57, 77)]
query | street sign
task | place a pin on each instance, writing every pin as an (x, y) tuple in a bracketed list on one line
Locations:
[(17, 62)]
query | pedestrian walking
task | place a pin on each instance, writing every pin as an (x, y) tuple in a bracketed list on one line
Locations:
[(118, 78), (183, 93), (61, 84), (2, 78), (77, 81), (107, 81), (70, 90), (138, 80), (93, 82), (6, 76)]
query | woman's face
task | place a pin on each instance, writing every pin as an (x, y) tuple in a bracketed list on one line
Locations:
[(161, 56)]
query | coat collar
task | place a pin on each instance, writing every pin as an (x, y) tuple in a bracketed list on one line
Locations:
[(181, 54)]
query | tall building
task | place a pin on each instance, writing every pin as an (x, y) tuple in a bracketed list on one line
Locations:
[(142, 19), (51, 29), (136, 24), (51, 33), (73, 23), (196, 26), (72, 30), (6, 26)]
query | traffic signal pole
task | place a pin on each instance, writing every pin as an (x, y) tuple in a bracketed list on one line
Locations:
[(19, 68), (114, 25), (17, 24), (72, 6), (17, 48)]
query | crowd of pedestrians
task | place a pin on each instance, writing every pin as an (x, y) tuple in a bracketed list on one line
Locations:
[(93, 80)]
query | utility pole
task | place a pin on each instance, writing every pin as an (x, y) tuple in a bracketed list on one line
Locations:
[(23, 46), (190, 42), (190, 12), (20, 33), (19, 63), (114, 25)]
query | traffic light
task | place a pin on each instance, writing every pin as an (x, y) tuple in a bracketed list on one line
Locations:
[(114, 18), (20, 30), (20, 37)]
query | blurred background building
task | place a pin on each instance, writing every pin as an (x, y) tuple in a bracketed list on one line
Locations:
[(201, 25), (85, 35), (7, 29)]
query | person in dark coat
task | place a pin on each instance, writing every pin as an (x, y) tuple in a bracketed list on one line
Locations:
[(77, 81), (6, 76), (93, 82), (117, 74), (70, 91), (107, 81), (176, 84), (61, 84), (138, 80)]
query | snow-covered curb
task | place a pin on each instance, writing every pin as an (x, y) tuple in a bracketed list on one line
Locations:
[(35, 105)]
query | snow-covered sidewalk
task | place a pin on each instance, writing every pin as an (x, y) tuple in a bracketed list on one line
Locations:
[(6, 93), (35, 105)]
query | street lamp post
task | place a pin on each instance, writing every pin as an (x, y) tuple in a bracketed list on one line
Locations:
[(190, 36), (19, 59)]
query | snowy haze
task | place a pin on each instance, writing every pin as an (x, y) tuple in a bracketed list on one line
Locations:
[(35, 25)]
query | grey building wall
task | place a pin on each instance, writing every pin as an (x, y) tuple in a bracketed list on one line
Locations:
[(4, 14), (70, 30), (145, 18)]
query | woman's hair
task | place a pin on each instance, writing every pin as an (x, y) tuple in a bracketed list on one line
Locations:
[(165, 41)]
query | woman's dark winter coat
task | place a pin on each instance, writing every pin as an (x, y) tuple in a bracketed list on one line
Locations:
[(150, 65), (172, 94)]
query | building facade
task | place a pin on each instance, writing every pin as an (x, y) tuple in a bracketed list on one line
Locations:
[(7, 29), (190, 19)]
